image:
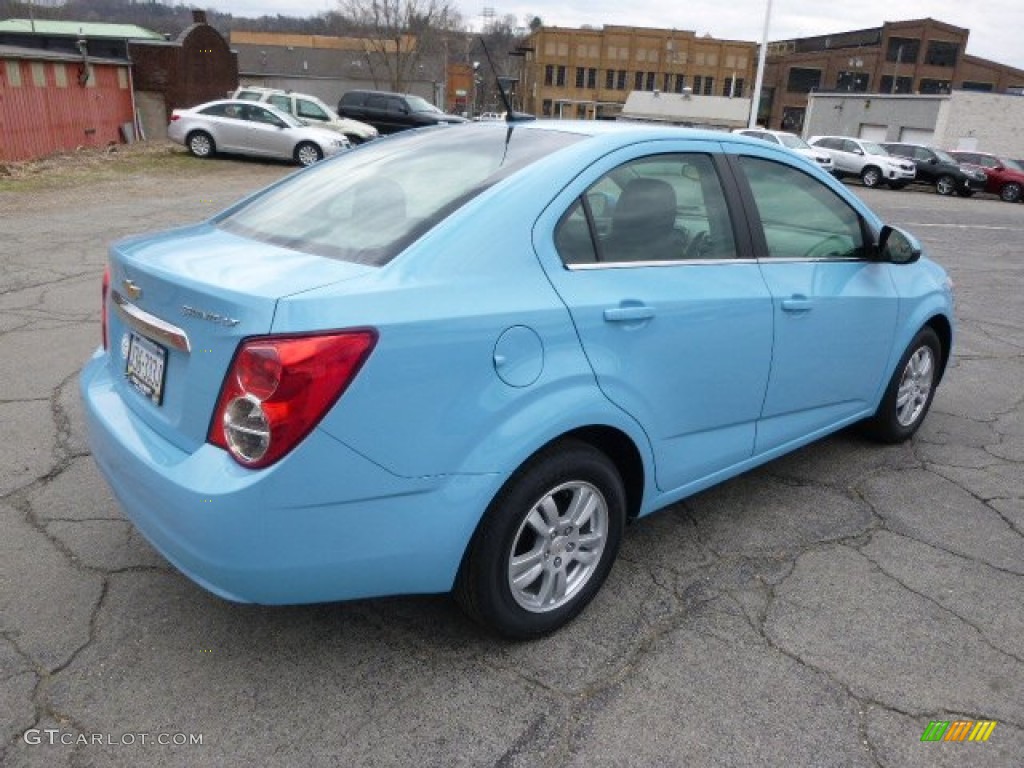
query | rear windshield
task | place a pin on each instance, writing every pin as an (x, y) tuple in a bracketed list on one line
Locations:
[(368, 205)]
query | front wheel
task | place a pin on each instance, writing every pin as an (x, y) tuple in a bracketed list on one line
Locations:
[(1010, 193), (911, 389), (945, 185), (546, 543), (871, 176), (308, 153)]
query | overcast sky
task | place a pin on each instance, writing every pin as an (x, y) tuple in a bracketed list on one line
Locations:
[(997, 26)]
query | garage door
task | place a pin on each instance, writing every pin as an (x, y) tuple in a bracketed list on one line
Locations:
[(872, 132), (916, 135)]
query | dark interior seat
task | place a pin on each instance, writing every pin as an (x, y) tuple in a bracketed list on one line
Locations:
[(643, 224)]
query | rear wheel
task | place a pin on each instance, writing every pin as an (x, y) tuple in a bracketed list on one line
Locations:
[(1010, 192), (911, 389), (201, 144), (945, 185), (308, 153), (871, 176), (546, 542)]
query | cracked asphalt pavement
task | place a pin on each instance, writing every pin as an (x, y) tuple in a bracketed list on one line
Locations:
[(819, 611)]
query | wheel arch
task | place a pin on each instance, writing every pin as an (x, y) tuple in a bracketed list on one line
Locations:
[(624, 454), (944, 330)]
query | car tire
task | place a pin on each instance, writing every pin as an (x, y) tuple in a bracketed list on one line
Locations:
[(201, 144), (909, 395), (871, 177), (1010, 193), (307, 153), (546, 542), (945, 185)]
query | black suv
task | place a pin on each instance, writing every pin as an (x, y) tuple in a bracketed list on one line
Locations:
[(392, 112), (940, 169)]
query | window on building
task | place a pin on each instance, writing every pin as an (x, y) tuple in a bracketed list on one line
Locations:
[(803, 79), (764, 107), (545, 108), (122, 78), (591, 77), (732, 87), (738, 92), (620, 80), (613, 52), (549, 74), (641, 54), (649, 84), (698, 83), (929, 85), (680, 83), (941, 53), (902, 84), (13, 73), (974, 85), (581, 76), (38, 74), (560, 76), (638, 81), (60, 74), (709, 86), (903, 50), (609, 79), (852, 81), (793, 119)]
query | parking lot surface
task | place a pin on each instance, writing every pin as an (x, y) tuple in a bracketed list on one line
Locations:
[(820, 611)]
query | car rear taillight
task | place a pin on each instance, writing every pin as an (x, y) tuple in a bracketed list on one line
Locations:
[(279, 387), (175, 116), (104, 295)]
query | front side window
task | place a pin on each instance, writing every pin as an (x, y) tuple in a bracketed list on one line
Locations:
[(663, 208), (281, 102), (310, 110), (801, 217), (368, 206)]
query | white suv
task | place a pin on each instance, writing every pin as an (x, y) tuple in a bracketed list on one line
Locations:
[(308, 109), (791, 141), (870, 161)]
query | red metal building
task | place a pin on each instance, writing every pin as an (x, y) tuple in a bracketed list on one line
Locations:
[(52, 101)]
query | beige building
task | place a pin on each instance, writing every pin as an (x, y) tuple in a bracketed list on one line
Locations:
[(588, 73), (920, 56)]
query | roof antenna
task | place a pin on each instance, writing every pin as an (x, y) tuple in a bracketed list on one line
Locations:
[(511, 115)]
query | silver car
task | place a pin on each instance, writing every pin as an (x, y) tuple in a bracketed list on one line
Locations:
[(249, 128)]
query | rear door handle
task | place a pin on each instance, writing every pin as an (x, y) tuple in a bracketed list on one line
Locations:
[(796, 304), (628, 314)]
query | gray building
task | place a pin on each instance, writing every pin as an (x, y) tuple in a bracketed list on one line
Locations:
[(987, 122)]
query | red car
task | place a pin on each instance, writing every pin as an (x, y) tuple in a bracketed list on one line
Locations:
[(1005, 176)]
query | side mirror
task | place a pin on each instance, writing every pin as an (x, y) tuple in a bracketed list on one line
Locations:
[(858, 151), (898, 246)]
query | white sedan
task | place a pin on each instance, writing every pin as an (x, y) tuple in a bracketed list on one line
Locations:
[(248, 128)]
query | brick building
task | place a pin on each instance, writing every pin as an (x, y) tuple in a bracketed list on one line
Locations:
[(920, 56), (588, 73)]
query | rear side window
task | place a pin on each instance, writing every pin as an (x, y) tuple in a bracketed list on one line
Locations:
[(368, 206), (281, 102), (663, 208)]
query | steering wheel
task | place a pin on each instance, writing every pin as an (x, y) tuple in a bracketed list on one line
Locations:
[(699, 246), (831, 247)]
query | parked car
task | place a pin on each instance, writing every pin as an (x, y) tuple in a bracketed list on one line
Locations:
[(310, 110), (793, 142), (866, 159), (1005, 176), (332, 391), (940, 169), (246, 128), (392, 112)]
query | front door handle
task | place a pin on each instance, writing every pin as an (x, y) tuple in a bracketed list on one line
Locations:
[(796, 304), (628, 314)]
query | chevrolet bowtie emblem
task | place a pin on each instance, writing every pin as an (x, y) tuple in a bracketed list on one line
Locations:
[(132, 289)]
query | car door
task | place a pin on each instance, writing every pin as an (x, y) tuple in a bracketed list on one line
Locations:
[(673, 318), (835, 309), (228, 126), (268, 135)]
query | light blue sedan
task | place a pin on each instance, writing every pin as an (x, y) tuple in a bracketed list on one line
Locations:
[(461, 360)]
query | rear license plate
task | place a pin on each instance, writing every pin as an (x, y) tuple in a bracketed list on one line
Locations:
[(145, 367)]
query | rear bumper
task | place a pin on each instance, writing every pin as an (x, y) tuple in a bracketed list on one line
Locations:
[(323, 524)]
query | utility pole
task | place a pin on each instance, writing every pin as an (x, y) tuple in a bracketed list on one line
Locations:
[(756, 100)]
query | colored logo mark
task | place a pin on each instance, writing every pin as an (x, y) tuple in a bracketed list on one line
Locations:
[(958, 730)]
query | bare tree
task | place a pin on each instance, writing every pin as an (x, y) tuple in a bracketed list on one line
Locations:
[(399, 33)]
